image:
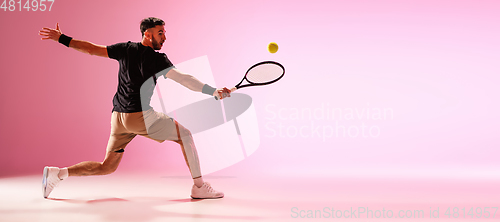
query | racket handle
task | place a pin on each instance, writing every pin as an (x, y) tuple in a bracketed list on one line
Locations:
[(232, 90)]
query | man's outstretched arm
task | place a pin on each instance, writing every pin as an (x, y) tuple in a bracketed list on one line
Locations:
[(194, 84), (80, 45)]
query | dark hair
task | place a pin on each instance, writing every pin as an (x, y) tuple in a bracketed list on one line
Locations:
[(150, 22)]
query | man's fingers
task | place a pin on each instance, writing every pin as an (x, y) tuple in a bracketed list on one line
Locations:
[(43, 34), (223, 93), (49, 33), (226, 92)]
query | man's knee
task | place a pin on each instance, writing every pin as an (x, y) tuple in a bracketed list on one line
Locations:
[(184, 132), (111, 162), (181, 130), (108, 168)]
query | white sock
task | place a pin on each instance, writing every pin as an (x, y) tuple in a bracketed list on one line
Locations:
[(198, 182), (63, 173)]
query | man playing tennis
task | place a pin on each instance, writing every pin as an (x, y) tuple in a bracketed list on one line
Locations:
[(132, 115)]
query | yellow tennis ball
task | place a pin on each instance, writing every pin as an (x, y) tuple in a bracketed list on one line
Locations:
[(272, 47)]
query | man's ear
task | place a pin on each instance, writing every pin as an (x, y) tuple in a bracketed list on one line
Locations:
[(147, 34)]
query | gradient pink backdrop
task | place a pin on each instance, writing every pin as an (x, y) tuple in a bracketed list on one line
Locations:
[(434, 63)]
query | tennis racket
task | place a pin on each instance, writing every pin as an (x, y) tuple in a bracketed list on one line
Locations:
[(262, 73)]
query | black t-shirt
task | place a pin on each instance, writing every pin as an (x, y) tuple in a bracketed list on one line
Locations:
[(138, 65)]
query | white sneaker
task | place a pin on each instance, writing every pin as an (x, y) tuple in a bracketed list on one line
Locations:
[(205, 192), (50, 180)]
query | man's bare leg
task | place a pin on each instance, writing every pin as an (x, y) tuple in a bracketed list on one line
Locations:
[(201, 189), (198, 181), (89, 168), (53, 175)]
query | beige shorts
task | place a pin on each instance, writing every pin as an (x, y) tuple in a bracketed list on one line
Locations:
[(156, 126), (151, 124)]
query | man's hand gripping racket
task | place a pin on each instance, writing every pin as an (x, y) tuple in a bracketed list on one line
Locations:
[(262, 73)]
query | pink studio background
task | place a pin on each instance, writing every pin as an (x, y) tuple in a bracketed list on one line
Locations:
[(432, 65)]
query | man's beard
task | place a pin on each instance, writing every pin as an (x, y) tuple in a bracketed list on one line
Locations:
[(156, 45)]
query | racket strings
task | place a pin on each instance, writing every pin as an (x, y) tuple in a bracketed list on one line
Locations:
[(264, 73)]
